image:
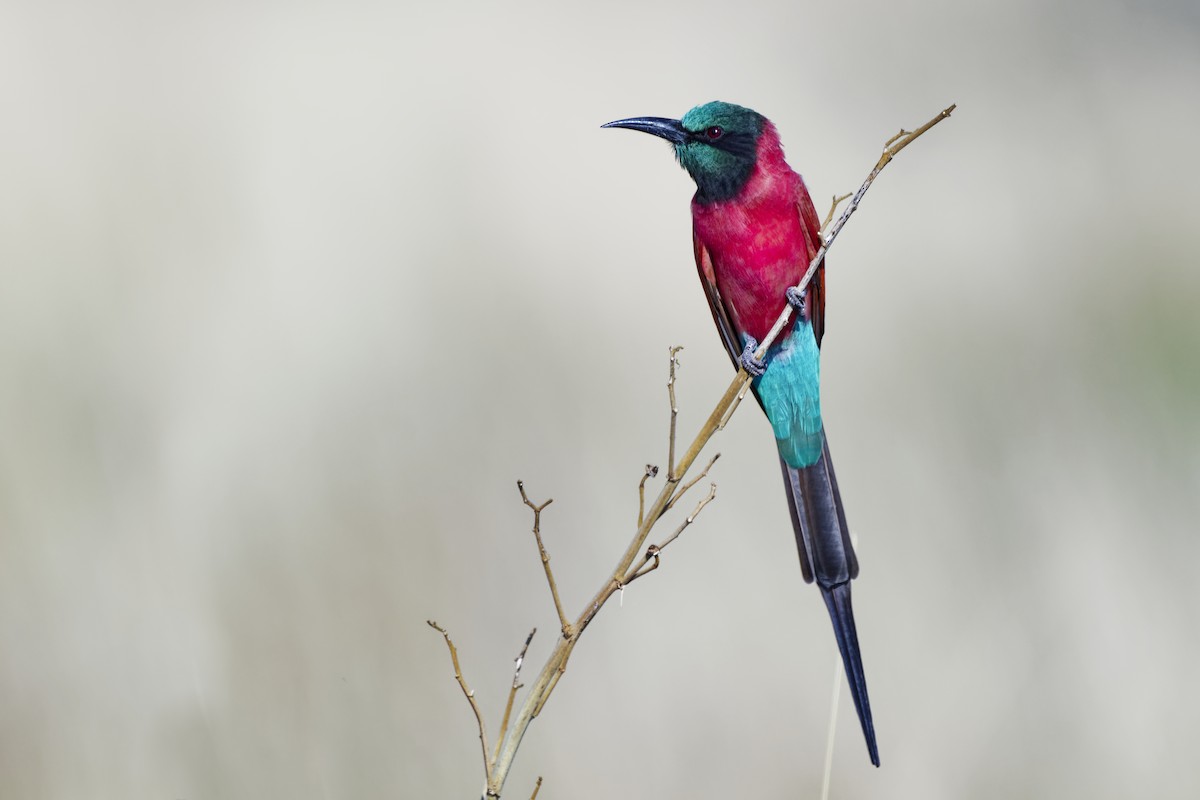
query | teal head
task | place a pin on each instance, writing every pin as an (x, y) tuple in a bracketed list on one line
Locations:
[(717, 143)]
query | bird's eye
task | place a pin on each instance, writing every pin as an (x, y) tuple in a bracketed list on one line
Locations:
[(715, 132)]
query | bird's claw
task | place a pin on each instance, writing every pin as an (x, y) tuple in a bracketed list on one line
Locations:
[(752, 365), (797, 300)]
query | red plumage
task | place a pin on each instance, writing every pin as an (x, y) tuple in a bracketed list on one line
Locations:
[(752, 247)]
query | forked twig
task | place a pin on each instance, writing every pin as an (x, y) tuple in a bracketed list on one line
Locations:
[(683, 489), (837, 201), (899, 135), (654, 551), (537, 534)]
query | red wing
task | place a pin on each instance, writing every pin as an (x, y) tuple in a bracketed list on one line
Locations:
[(810, 224), (708, 279)]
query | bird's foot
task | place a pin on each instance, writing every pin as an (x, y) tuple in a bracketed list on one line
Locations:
[(797, 300), (752, 365)]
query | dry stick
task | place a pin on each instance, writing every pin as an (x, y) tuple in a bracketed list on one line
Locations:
[(548, 678), (708, 498), (837, 201), (458, 676), (654, 550), (512, 693), (651, 471), (683, 489), (537, 534), (674, 409), (550, 688), (893, 146), (899, 135), (537, 788), (737, 401), (555, 665)]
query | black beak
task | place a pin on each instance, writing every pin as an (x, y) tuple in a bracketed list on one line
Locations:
[(670, 129)]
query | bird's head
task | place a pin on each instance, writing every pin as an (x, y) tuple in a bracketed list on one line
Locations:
[(717, 143)]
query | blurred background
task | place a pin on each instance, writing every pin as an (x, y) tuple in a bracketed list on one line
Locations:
[(292, 293)]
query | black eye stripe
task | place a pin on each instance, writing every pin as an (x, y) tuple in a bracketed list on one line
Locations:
[(736, 142)]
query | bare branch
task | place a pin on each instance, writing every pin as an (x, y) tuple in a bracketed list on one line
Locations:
[(654, 551), (537, 534), (651, 471), (891, 149), (555, 665), (733, 407), (708, 498), (640, 570), (674, 409), (512, 693), (520, 659), (470, 695), (558, 673), (683, 489), (892, 140), (537, 788), (837, 201)]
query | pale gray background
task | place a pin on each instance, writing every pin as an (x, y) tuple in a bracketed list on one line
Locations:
[(291, 293)]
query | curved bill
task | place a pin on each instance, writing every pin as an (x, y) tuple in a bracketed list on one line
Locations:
[(670, 129)]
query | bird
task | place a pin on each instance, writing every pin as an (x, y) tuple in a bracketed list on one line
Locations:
[(754, 232)]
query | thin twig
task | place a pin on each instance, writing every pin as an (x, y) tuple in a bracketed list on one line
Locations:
[(654, 551), (899, 135), (908, 138), (891, 149), (537, 534), (708, 498), (674, 408), (555, 665), (733, 407), (651, 471), (683, 489), (512, 693), (470, 695), (837, 201), (537, 788)]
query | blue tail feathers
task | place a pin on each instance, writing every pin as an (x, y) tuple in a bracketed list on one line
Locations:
[(837, 600), (827, 557)]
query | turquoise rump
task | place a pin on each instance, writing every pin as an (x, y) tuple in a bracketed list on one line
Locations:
[(789, 391), (754, 233)]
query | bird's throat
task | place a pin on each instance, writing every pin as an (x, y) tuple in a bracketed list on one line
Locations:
[(719, 186)]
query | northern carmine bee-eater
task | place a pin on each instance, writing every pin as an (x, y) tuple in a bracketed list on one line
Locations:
[(755, 230)]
